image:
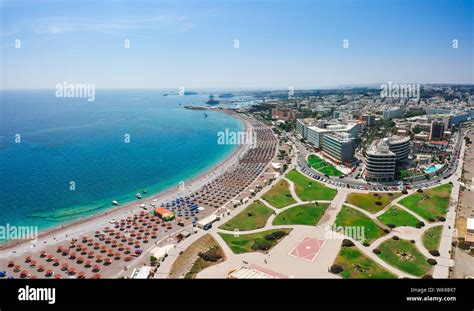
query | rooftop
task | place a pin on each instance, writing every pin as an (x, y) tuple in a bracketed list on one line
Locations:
[(380, 147), (341, 136), (398, 139)]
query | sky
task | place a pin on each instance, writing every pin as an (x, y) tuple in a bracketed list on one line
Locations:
[(192, 43)]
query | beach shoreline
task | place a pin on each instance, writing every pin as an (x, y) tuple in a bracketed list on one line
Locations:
[(95, 221)]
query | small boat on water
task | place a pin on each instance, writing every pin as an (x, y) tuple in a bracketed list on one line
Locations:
[(115, 202), (145, 191), (138, 195)]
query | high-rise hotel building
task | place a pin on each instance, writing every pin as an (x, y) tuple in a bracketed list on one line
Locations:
[(383, 157), (380, 162)]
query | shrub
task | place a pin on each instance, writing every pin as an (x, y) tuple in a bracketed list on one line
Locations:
[(431, 219), (434, 252), (419, 191), (396, 238), (432, 261), (391, 226), (211, 254), (366, 244), (390, 194), (427, 276), (386, 230), (441, 218), (377, 251), (336, 269), (378, 203), (275, 235), (347, 243), (404, 191), (412, 241)]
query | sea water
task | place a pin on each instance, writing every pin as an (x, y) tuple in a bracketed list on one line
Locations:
[(62, 159)]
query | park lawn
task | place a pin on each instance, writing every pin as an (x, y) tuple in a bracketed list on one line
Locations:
[(201, 264), (318, 166), (398, 217), (323, 167), (307, 214), (358, 266), (308, 189), (432, 237), (189, 263), (312, 159), (252, 217), (404, 255), (279, 195), (254, 242), (330, 171), (349, 217), (430, 204), (366, 201)]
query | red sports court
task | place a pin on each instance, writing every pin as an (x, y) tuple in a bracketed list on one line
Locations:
[(307, 248)]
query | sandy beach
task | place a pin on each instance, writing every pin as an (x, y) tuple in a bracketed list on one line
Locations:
[(90, 224)]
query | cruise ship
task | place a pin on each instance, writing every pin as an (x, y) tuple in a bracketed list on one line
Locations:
[(212, 101), (226, 95)]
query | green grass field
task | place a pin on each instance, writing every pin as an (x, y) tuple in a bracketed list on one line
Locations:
[(246, 243), (279, 195), (431, 203), (312, 159), (405, 256), (432, 237), (330, 171), (307, 214), (358, 266), (398, 217), (308, 189), (349, 217), (367, 201), (323, 167), (252, 217)]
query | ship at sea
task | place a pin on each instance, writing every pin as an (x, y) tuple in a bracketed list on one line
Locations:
[(226, 95), (212, 101)]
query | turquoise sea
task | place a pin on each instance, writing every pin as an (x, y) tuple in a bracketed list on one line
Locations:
[(64, 140)]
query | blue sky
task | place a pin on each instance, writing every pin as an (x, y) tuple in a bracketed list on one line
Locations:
[(191, 43)]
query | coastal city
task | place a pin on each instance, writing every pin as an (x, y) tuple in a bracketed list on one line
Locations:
[(175, 152), (346, 184)]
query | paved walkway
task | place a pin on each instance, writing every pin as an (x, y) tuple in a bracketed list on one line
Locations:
[(444, 261)]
